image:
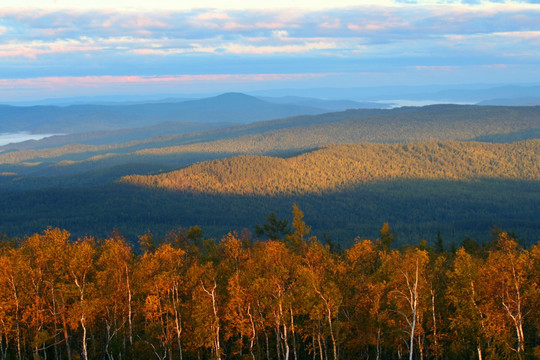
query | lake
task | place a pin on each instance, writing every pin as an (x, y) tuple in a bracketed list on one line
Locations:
[(7, 138)]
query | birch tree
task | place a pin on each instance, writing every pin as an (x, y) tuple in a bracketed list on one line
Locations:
[(407, 273), (507, 270)]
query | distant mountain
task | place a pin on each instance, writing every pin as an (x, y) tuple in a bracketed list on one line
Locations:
[(300, 133), (105, 100), (331, 105), (227, 108), (435, 122), (440, 93), (282, 136)]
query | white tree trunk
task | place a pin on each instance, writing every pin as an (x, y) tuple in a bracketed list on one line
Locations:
[(215, 324), (414, 307)]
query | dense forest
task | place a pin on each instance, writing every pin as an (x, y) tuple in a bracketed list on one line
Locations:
[(416, 209), (186, 296), (436, 122), (460, 188), (338, 167)]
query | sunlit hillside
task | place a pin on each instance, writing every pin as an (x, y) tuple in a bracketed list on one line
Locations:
[(340, 166)]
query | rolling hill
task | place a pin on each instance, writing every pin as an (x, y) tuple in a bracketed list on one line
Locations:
[(300, 133), (339, 167)]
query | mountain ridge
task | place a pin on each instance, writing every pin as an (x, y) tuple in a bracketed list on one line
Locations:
[(228, 108)]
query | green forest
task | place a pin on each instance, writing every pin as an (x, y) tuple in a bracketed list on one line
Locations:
[(281, 294)]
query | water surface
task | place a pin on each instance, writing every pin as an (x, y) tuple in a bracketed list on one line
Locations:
[(8, 138)]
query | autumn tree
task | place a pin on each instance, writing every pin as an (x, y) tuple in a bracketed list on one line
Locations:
[(274, 272), (161, 275), (50, 314), (294, 298), (82, 272), (12, 300), (467, 293), (409, 293), (238, 313), (365, 294), (114, 280), (506, 272), (322, 271)]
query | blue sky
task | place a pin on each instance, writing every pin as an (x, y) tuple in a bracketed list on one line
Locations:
[(59, 48)]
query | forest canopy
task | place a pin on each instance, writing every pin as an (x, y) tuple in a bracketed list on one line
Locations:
[(186, 296), (338, 167)]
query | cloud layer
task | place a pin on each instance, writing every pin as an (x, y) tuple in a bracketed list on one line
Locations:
[(456, 37)]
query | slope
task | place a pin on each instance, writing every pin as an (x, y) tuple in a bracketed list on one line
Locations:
[(339, 167)]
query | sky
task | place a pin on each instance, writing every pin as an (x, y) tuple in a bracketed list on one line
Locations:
[(66, 48)]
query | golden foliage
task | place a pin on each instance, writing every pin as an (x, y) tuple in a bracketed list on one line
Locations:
[(339, 166)]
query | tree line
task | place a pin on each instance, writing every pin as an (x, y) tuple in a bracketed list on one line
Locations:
[(287, 297)]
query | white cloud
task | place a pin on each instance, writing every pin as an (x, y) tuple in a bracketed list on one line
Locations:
[(34, 49), (249, 4)]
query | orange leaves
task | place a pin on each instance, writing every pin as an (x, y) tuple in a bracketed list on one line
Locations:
[(152, 308), (101, 298)]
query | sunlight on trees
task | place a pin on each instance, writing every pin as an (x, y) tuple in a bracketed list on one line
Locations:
[(190, 297)]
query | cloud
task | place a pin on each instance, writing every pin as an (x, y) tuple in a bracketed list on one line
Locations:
[(197, 24), (496, 40), (57, 82), (37, 48), (386, 37), (213, 15), (279, 49)]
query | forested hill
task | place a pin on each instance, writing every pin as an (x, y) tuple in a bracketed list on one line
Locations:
[(340, 166), (437, 122)]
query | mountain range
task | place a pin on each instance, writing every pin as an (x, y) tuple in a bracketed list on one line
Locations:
[(227, 108)]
